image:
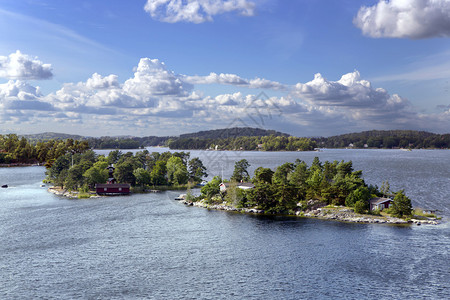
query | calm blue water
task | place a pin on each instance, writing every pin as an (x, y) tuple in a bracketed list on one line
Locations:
[(152, 247)]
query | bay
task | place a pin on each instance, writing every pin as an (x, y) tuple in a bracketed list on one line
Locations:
[(148, 246)]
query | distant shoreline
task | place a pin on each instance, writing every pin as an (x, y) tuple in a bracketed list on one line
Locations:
[(20, 165)]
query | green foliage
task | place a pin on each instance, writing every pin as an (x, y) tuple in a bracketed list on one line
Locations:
[(95, 174), (401, 206), (15, 150), (211, 188), (142, 177), (176, 171), (234, 195), (290, 184), (282, 174), (360, 194), (387, 139), (360, 207), (240, 172), (159, 173), (263, 175), (197, 170), (266, 143), (124, 172)]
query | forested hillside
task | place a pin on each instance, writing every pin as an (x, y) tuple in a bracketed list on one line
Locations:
[(232, 133), (386, 139)]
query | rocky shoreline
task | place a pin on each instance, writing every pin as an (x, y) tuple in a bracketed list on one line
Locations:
[(68, 194), (343, 214)]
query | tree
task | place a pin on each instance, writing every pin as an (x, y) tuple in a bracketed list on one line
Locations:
[(114, 156), (158, 174), (316, 165), (212, 188), (75, 177), (124, 172), (282, 174), (196, 170), (60, 164), (361, 207), (240, 172), (401, 206), (176, 171), (234, 195), (385, 188), (95, 174), (263, 175), (262, 195), (142, 177), (360, 194)]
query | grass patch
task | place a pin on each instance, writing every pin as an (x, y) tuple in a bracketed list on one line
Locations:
[(418, 212), (83, 195)]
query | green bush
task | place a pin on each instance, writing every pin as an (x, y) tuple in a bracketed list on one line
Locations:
[(360, 207), (376, 212)]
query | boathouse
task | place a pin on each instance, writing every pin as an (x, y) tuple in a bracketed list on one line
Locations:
[(111, 188)]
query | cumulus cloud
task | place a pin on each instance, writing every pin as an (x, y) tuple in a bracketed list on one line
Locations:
[(23, 67), (196, 11), (357, 102), (153, 77), (414, 19), (156, 96), (233, 79), (349, 91), (19, 95), (151, 83)]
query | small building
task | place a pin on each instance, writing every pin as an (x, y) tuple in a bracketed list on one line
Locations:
[(380, 203), (241, 185), (112, 189)]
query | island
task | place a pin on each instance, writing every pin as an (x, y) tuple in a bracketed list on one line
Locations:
[(84, 175), (329, 190)]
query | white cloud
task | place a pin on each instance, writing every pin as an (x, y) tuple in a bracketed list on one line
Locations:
[(196, 11), (152, 77), (24, 67), (151, 84), (16, 96), (233, 79), (349, 91), (18, 90), (414, 19), (156, 96)]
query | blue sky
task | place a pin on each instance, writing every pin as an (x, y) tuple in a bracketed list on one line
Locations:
[(166, 67)]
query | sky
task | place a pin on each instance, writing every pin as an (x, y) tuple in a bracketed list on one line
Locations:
[(168, 67)]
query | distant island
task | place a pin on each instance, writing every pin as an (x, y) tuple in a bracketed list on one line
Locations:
[(249, 139)]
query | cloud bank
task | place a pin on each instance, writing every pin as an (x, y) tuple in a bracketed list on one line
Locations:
[(158, 101), (413, 19), (196, 11), (23, 67)]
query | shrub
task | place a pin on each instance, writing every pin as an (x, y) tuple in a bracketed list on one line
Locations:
[(360, 207)]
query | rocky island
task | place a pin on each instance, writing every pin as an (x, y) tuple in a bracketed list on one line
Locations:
[(331, 191)]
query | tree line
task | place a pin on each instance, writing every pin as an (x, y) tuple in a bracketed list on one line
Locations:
[(245, 143), (126, 142), (291, 187), (82, 171), (15, 150), (387, 139)]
